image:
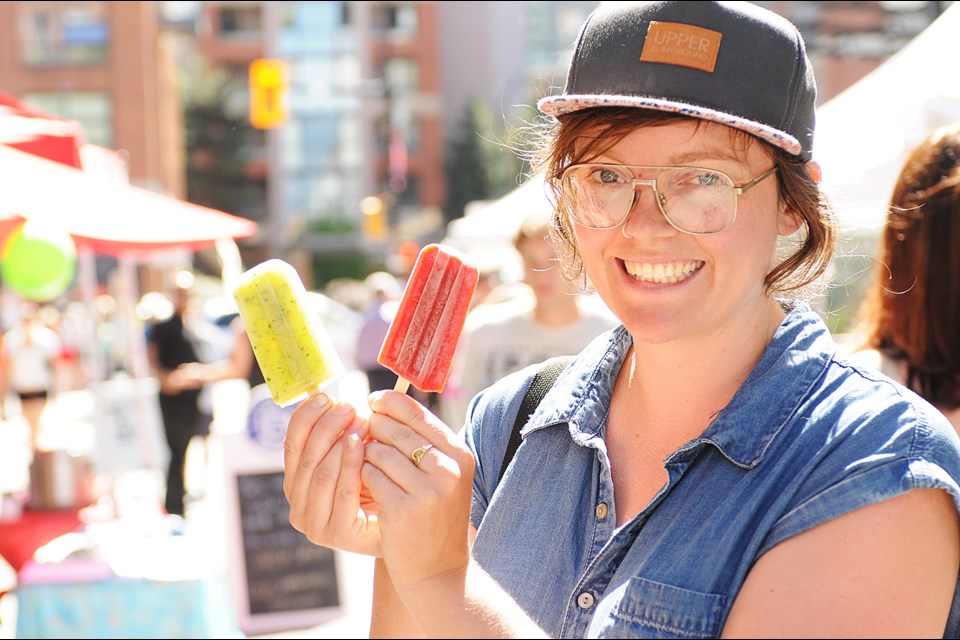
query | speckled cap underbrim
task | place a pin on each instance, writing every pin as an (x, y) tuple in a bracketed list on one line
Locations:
[(732, 63)]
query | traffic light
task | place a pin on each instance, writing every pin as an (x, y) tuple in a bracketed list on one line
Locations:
[(374, 212), (269, 84)]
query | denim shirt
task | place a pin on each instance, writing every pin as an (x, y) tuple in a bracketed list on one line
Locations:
[(808, 437)]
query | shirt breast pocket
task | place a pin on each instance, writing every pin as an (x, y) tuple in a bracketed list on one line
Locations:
[(648, 609)]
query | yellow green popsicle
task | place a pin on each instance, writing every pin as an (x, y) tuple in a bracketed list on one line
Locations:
[(289, 341)]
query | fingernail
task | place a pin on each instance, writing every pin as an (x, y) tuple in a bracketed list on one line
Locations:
[(321, 400), (343, 409), (353, 440)]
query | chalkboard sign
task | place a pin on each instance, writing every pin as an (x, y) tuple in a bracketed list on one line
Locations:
[(280, 580), (284, 570)]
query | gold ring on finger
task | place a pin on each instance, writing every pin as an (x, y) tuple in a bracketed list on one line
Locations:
[(419, 452)]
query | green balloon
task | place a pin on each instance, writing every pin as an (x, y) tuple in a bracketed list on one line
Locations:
[(38, 262)]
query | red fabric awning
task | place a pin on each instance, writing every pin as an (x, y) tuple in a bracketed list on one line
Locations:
[(41, 134), (41, 176), (106, 216)]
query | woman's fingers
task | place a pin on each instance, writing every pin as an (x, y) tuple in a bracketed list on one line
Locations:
[(420, 474), (302, 426), (353, 512), (313, 473), (323, 455), (404, 423)]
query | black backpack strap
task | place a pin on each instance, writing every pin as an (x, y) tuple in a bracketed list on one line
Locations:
[(538, 388)]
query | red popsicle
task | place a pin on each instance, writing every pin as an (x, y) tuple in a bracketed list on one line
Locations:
[(423, 336)]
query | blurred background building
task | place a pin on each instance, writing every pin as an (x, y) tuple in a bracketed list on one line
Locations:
[(388, 117), (109, 66)]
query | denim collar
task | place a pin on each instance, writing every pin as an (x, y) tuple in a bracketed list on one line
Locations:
[(795, 358)]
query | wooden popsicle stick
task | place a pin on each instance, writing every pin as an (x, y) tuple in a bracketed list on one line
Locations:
[(402, 384)]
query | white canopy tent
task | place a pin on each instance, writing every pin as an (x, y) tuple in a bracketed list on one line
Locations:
[(865, 134), (486, 230)]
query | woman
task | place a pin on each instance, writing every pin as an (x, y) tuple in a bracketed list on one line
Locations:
[(708, 468), (910, 320), (30, 351)]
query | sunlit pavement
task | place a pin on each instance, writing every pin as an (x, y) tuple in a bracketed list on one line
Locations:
[(68, 424)]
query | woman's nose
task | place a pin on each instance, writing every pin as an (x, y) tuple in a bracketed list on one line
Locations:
[(645, 216)]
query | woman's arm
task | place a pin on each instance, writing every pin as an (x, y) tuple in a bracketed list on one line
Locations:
[(389, 617), (426, 535), (473, 606), (887, 570)]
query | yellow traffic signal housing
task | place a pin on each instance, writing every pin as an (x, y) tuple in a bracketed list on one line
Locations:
[(269, 84), (374, 212)]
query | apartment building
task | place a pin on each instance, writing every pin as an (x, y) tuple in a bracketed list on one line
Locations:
[(107, 65)]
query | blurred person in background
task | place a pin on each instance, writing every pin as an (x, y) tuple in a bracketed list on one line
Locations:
[(76, 331), (517, 330), (239, 363), (31, 353), (385, 291), (169, 349), (909, 324)]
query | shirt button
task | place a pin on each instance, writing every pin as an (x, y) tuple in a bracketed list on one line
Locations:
[(585, 600), (602, 511)]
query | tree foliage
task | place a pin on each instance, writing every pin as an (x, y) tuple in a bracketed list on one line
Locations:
[(479, 165), (223, 168)]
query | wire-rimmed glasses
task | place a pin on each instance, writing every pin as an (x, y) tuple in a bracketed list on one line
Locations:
[(692, 199)]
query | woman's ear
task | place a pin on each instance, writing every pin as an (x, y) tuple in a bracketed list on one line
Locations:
[(788, 221)]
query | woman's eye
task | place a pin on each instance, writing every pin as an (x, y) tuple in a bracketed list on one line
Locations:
[(607, 176), (708, 179), (697, 179)]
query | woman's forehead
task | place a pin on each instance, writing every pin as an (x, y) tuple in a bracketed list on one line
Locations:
[(683, 142)]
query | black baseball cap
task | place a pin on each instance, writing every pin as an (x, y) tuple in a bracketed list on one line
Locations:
[(733, 63)]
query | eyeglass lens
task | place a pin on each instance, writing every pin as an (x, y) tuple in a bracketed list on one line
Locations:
[(692, 199)]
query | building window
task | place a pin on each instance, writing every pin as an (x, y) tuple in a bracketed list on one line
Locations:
[(395, 20), (409, 197), (241, 21), (92, 109), (402, 76), (63, 33)]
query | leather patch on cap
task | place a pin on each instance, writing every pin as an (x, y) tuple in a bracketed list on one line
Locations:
[(681, 44)]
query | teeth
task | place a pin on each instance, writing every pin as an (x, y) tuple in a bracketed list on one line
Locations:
[(662, 272)]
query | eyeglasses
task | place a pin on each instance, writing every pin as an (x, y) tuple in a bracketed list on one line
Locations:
[(692, 199)]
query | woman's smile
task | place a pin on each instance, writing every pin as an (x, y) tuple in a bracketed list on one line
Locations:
[(662, 272)]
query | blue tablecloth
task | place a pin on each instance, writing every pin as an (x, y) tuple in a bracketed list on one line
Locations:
[(127, 608)]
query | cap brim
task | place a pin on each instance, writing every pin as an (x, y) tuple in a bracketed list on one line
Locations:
[(559, 105)]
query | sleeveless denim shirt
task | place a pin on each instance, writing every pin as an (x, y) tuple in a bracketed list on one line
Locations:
[(807, 438)]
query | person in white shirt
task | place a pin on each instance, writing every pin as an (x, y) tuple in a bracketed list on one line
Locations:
[(30, 353), (551, 317)]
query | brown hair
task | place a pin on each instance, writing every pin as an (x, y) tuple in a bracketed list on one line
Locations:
[(911, 312), (584, 135)]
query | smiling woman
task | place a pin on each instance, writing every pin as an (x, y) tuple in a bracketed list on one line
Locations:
[(708, 468)]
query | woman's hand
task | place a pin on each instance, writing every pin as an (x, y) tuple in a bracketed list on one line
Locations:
[(421, 475), (322, 458)]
